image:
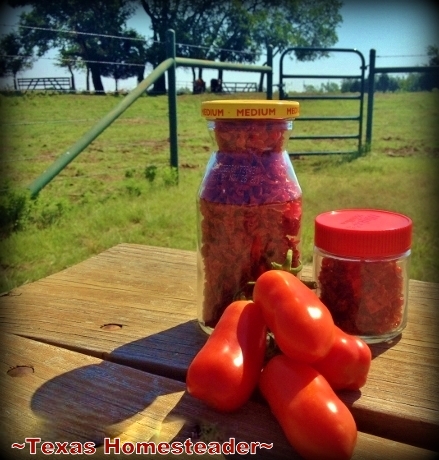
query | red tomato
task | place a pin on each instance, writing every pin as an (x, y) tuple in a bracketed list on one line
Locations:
[(226, 370), (347, 364), (315, 421), (302, 326)]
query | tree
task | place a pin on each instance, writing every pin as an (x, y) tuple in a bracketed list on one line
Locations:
[(349, 85), (128, 56), (433, 54), (298, 23), (430, 80), (330, 87), (13, 57), (69, 58), (382, 83), (386, 83), (190, 20), (240, 31), (90, 20)]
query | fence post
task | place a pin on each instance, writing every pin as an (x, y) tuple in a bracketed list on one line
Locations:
[(370, 96), (172, 100), (270, 74)]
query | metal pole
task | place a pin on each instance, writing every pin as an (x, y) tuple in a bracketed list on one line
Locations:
[(172, 100), (270, 74), (68, 156), (205, 64), (370, 96)]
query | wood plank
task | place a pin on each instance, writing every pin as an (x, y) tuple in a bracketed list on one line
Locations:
[(77, 398), (151, 292)]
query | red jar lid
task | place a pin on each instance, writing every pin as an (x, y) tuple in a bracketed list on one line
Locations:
[(363, 233)]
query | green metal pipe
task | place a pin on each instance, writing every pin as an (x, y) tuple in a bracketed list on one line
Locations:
[(370, 97), (188, 62), (408, 69), (270, 73), (61, 162), (172, 100)]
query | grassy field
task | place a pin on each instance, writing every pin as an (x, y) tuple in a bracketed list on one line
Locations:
[(120, 189)]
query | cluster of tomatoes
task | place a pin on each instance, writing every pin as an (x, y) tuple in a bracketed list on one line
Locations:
[(316, 359)]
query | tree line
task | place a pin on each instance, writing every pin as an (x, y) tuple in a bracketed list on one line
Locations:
[(422, 81), (94, 37), (425, 81)]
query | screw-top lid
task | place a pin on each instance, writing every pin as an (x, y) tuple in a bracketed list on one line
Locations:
[(251, 108), (363, 233)]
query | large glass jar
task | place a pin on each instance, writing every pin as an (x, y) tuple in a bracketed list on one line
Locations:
[(249, 205)]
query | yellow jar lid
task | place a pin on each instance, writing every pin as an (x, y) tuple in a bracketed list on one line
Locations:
[(250, 108)]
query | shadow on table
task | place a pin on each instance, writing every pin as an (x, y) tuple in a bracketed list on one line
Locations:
[(168, 352), (380, 348), (103, 401)]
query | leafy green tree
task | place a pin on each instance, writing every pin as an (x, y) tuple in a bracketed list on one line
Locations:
[(128, 56), (430, 80), (298, 23), (386, 83), (330, 87), (69, 58), (240, 31), (14, 58), (311, 89), (382, 82), (90, 20), (433, 54), (349, 85), (191, 22), (410, 83), (393, 84)]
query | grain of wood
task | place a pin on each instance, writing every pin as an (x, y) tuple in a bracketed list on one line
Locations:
[(151, 293), (73, 397)]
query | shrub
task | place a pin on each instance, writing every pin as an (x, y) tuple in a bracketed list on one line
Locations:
[(15, 206), (150, 172)]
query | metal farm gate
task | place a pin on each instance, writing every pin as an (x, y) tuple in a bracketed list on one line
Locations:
[(357, 117)]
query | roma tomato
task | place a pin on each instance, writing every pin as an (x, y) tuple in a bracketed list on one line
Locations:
[(226, 370), (302, 326), (347, 363), (315, 421)]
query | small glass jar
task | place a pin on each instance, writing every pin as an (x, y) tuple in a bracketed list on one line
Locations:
[(361, 265), (249, 204)]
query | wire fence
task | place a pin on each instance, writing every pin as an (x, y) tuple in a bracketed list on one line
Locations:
[(59, 61), (107, 156), (149, 41)]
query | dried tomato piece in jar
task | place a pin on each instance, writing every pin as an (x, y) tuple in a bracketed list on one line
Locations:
[(245, 136), (238, 245), (364, 298)]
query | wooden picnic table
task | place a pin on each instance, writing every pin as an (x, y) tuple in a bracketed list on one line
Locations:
[(99, 352)]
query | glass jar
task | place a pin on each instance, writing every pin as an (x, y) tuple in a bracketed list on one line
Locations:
[(249, 204), (361, 265)]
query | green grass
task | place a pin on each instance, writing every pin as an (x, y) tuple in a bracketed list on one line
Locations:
[(120, 189)]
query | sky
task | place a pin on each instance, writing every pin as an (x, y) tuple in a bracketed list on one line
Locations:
[(399, 30)]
